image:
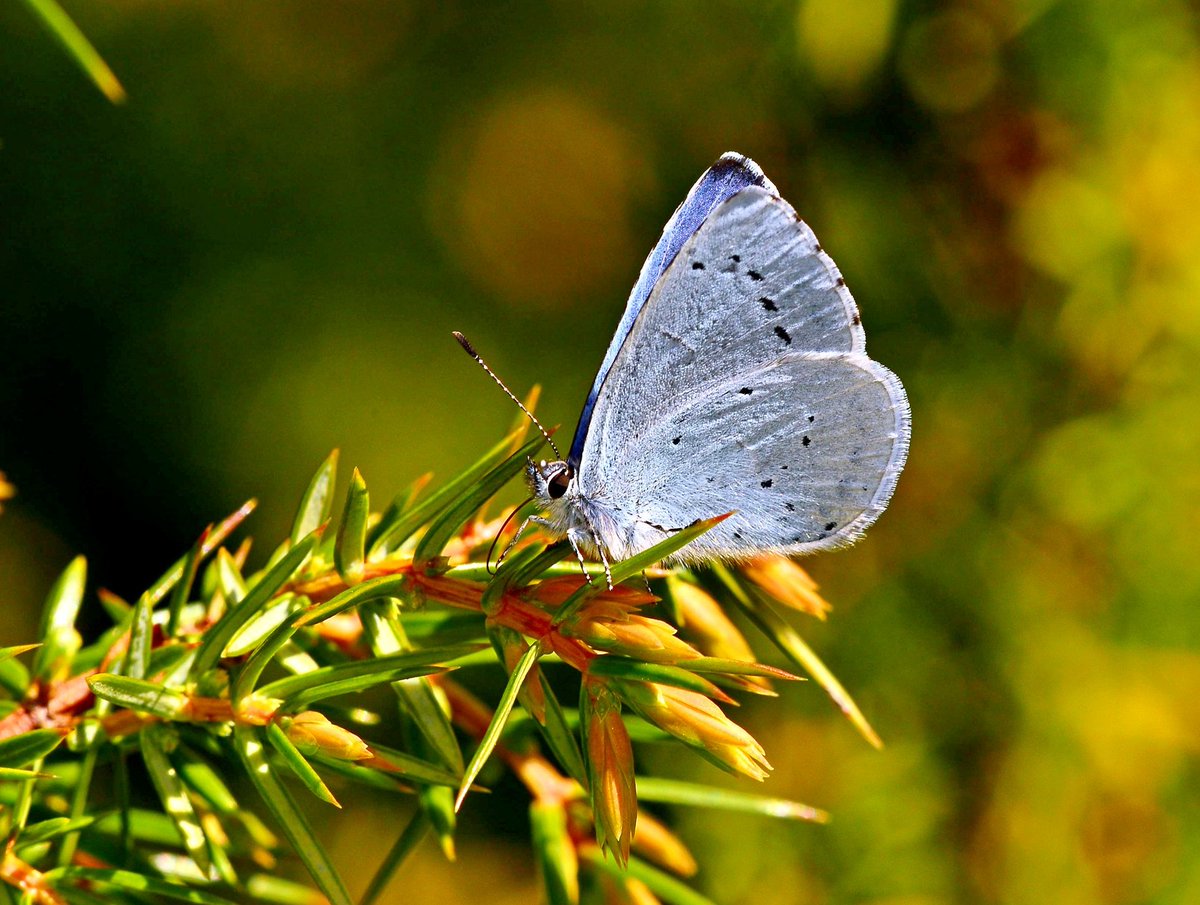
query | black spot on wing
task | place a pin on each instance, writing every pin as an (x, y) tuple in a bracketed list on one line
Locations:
[(677, 439), (745, 391), (754, 275), (737, 259), (696, 265), (812, 418), (829, 526), (767, 483), (806, 440), (784, 335), (789, 507), (768, 304)]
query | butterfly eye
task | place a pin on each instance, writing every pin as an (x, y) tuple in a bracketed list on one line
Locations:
[(558, 484)]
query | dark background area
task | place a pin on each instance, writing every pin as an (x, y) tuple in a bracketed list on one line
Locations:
[(261, 256)]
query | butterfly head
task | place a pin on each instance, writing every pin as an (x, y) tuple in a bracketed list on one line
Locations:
[(550, 480)]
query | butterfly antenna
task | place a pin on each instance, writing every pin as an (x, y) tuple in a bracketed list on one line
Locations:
[(470, 350)]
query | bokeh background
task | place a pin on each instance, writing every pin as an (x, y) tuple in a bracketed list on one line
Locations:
[(260, 256)]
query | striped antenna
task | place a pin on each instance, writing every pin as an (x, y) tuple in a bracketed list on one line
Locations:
[(470, 350)]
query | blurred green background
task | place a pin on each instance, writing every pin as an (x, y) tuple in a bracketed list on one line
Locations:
[(260, 257)]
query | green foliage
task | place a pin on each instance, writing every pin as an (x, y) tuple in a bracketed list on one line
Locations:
[(254, 671), (491, 735), (28, 748), (78, 47)]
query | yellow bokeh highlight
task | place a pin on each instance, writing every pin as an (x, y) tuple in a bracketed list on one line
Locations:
[(844, 46), (309, 43), (1074, 811), (1067, 224), (541, 203), (950, 60)]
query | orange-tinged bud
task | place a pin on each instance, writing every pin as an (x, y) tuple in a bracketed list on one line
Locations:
[(553, 591), (475, 533), (654, 841), (610, 622), (512, 647), (612, 629), (343, 629), (618, 889), (31, 882), (254, 709), (705, 623), (704, 620), (312, 732), (694, 719), (610, 769), (786, 582), (639, 893)]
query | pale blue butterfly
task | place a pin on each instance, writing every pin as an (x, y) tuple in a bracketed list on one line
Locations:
[(737, 380)]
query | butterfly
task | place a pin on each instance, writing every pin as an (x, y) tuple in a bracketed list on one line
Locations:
[(737, 380)]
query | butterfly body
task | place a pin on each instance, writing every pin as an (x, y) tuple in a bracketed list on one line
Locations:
[(592, 522), (737, 381)]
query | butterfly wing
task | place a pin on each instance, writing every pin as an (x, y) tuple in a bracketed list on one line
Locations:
[(747, 443), (726, 177), (743, 385)]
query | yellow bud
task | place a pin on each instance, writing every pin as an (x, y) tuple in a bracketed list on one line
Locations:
[(622, 889), (703, 619), (693, 718), (705, 622), (312, 732), (632, 635), (610, 622), (639, 893), (786, 582), (654, 841)]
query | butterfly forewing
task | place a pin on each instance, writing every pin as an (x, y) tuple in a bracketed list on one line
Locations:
[(743, 385), (728, 176)]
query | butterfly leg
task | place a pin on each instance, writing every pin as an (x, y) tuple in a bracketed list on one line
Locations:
[(533, 519), (607, 570), (574, 536), (589, 533)]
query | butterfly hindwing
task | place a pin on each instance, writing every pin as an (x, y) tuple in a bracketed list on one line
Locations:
[(806, 449)]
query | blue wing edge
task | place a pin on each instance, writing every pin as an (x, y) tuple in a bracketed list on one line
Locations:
[(725, 178)]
